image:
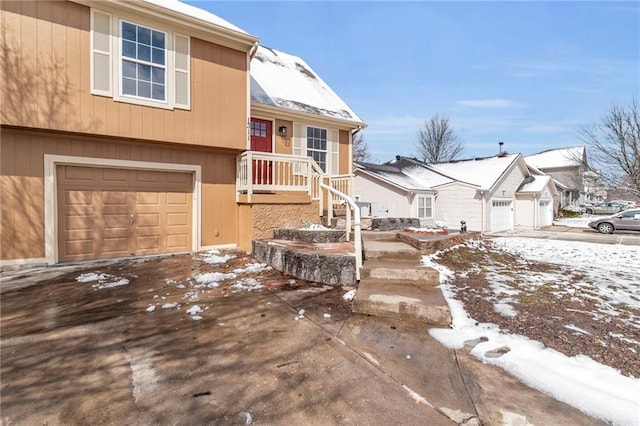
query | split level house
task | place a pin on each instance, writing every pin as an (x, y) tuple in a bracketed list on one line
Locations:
[(146, 127), (577, 184), (489, 194)]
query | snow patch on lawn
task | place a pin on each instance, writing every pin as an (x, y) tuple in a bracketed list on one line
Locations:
[(611, 276)]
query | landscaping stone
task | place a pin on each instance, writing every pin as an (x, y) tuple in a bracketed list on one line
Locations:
[(310, 235)]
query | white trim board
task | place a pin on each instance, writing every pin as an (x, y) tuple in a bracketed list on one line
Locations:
[(50, 190)]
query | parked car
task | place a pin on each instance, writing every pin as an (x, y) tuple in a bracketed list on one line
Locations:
[(604, 208), (628, 220), (627, 204)]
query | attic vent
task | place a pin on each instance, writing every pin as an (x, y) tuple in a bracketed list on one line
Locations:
[(304, 70)]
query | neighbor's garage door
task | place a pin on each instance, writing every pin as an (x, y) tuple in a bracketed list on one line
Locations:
[(501, 215), (105, 212), (545, 213)]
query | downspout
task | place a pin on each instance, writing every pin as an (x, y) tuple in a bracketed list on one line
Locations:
[(482, 212), (253, 51), (536, 212)]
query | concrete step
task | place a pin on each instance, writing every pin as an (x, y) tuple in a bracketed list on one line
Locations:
[(390, 250), (400, 270), (379, 236), (407, 300)]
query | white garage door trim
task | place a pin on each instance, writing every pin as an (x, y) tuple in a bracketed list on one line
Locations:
[(50, 185), (496, 219)]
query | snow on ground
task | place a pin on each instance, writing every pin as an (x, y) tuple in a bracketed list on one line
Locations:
[(103, 280), (611, 277), (201, 284), (581, 221)]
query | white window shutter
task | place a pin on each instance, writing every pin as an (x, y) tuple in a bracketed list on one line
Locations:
[(299, 148), (101, 53), (299, 142), (333, 153), (182, 61)]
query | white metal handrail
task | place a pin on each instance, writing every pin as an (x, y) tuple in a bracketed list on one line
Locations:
[(357, 232)]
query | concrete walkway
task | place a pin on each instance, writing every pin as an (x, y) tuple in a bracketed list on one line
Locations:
[(72, 354)]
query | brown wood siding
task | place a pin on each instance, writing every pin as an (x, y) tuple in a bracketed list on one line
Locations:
[(344, 161), (46, 83), (22, 191), (284, 145)]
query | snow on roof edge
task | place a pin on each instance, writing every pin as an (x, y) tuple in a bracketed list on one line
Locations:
[(198, 14)]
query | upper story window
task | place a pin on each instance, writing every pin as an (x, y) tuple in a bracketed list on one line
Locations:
[(144, 58), (138, 63), (317, 146)]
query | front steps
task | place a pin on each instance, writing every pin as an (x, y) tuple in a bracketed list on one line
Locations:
[(395, 284)]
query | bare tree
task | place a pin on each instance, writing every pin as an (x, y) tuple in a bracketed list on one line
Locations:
[(437, 141), (361, 151), (615, 147)]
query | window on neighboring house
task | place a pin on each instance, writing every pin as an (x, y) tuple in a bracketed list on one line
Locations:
[(317, 146), (136, 63), (143, 58), (425, 206)]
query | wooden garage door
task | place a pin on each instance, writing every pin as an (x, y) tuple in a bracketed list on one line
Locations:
[(105, 212)]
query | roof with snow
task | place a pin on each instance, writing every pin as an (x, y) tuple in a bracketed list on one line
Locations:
[(408, 176), (554, 158), (286, 81), (195, 12), (481, 172), (535, 183)]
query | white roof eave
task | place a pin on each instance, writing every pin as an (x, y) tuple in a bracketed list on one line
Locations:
[(352, 124)]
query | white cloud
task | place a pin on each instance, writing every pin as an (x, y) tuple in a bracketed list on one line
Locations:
[(489, 103)]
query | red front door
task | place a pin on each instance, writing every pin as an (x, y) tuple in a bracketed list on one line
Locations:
[(261, 141)]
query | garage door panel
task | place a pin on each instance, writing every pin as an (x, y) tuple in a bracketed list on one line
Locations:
[(177, 241), (178, 199), (79, 247), (177, 219), (148, 244), (79, 222), (148, 220), (111, 198), (148, 198), (116, 245), (95, 218)]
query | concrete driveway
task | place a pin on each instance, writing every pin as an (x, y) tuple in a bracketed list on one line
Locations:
[(567, 233), (90, 353)]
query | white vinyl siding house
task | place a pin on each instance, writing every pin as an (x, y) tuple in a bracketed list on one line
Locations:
[(483, 192)]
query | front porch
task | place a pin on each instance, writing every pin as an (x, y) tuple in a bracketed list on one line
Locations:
[(266, 178)]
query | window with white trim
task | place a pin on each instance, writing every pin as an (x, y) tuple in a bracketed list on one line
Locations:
[(143, 59), (138, 63), (425, 206), (317, 146)]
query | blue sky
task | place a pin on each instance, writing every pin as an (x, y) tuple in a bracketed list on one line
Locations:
[(530, 74)]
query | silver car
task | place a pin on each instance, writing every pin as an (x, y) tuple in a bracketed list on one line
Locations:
[(628, 220), (604, 208)]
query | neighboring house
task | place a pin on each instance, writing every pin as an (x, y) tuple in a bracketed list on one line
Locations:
[(397, 189), (124, 131), (490, 194), (569, 167)]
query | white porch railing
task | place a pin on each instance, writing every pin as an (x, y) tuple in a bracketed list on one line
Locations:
[(263, 172)]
